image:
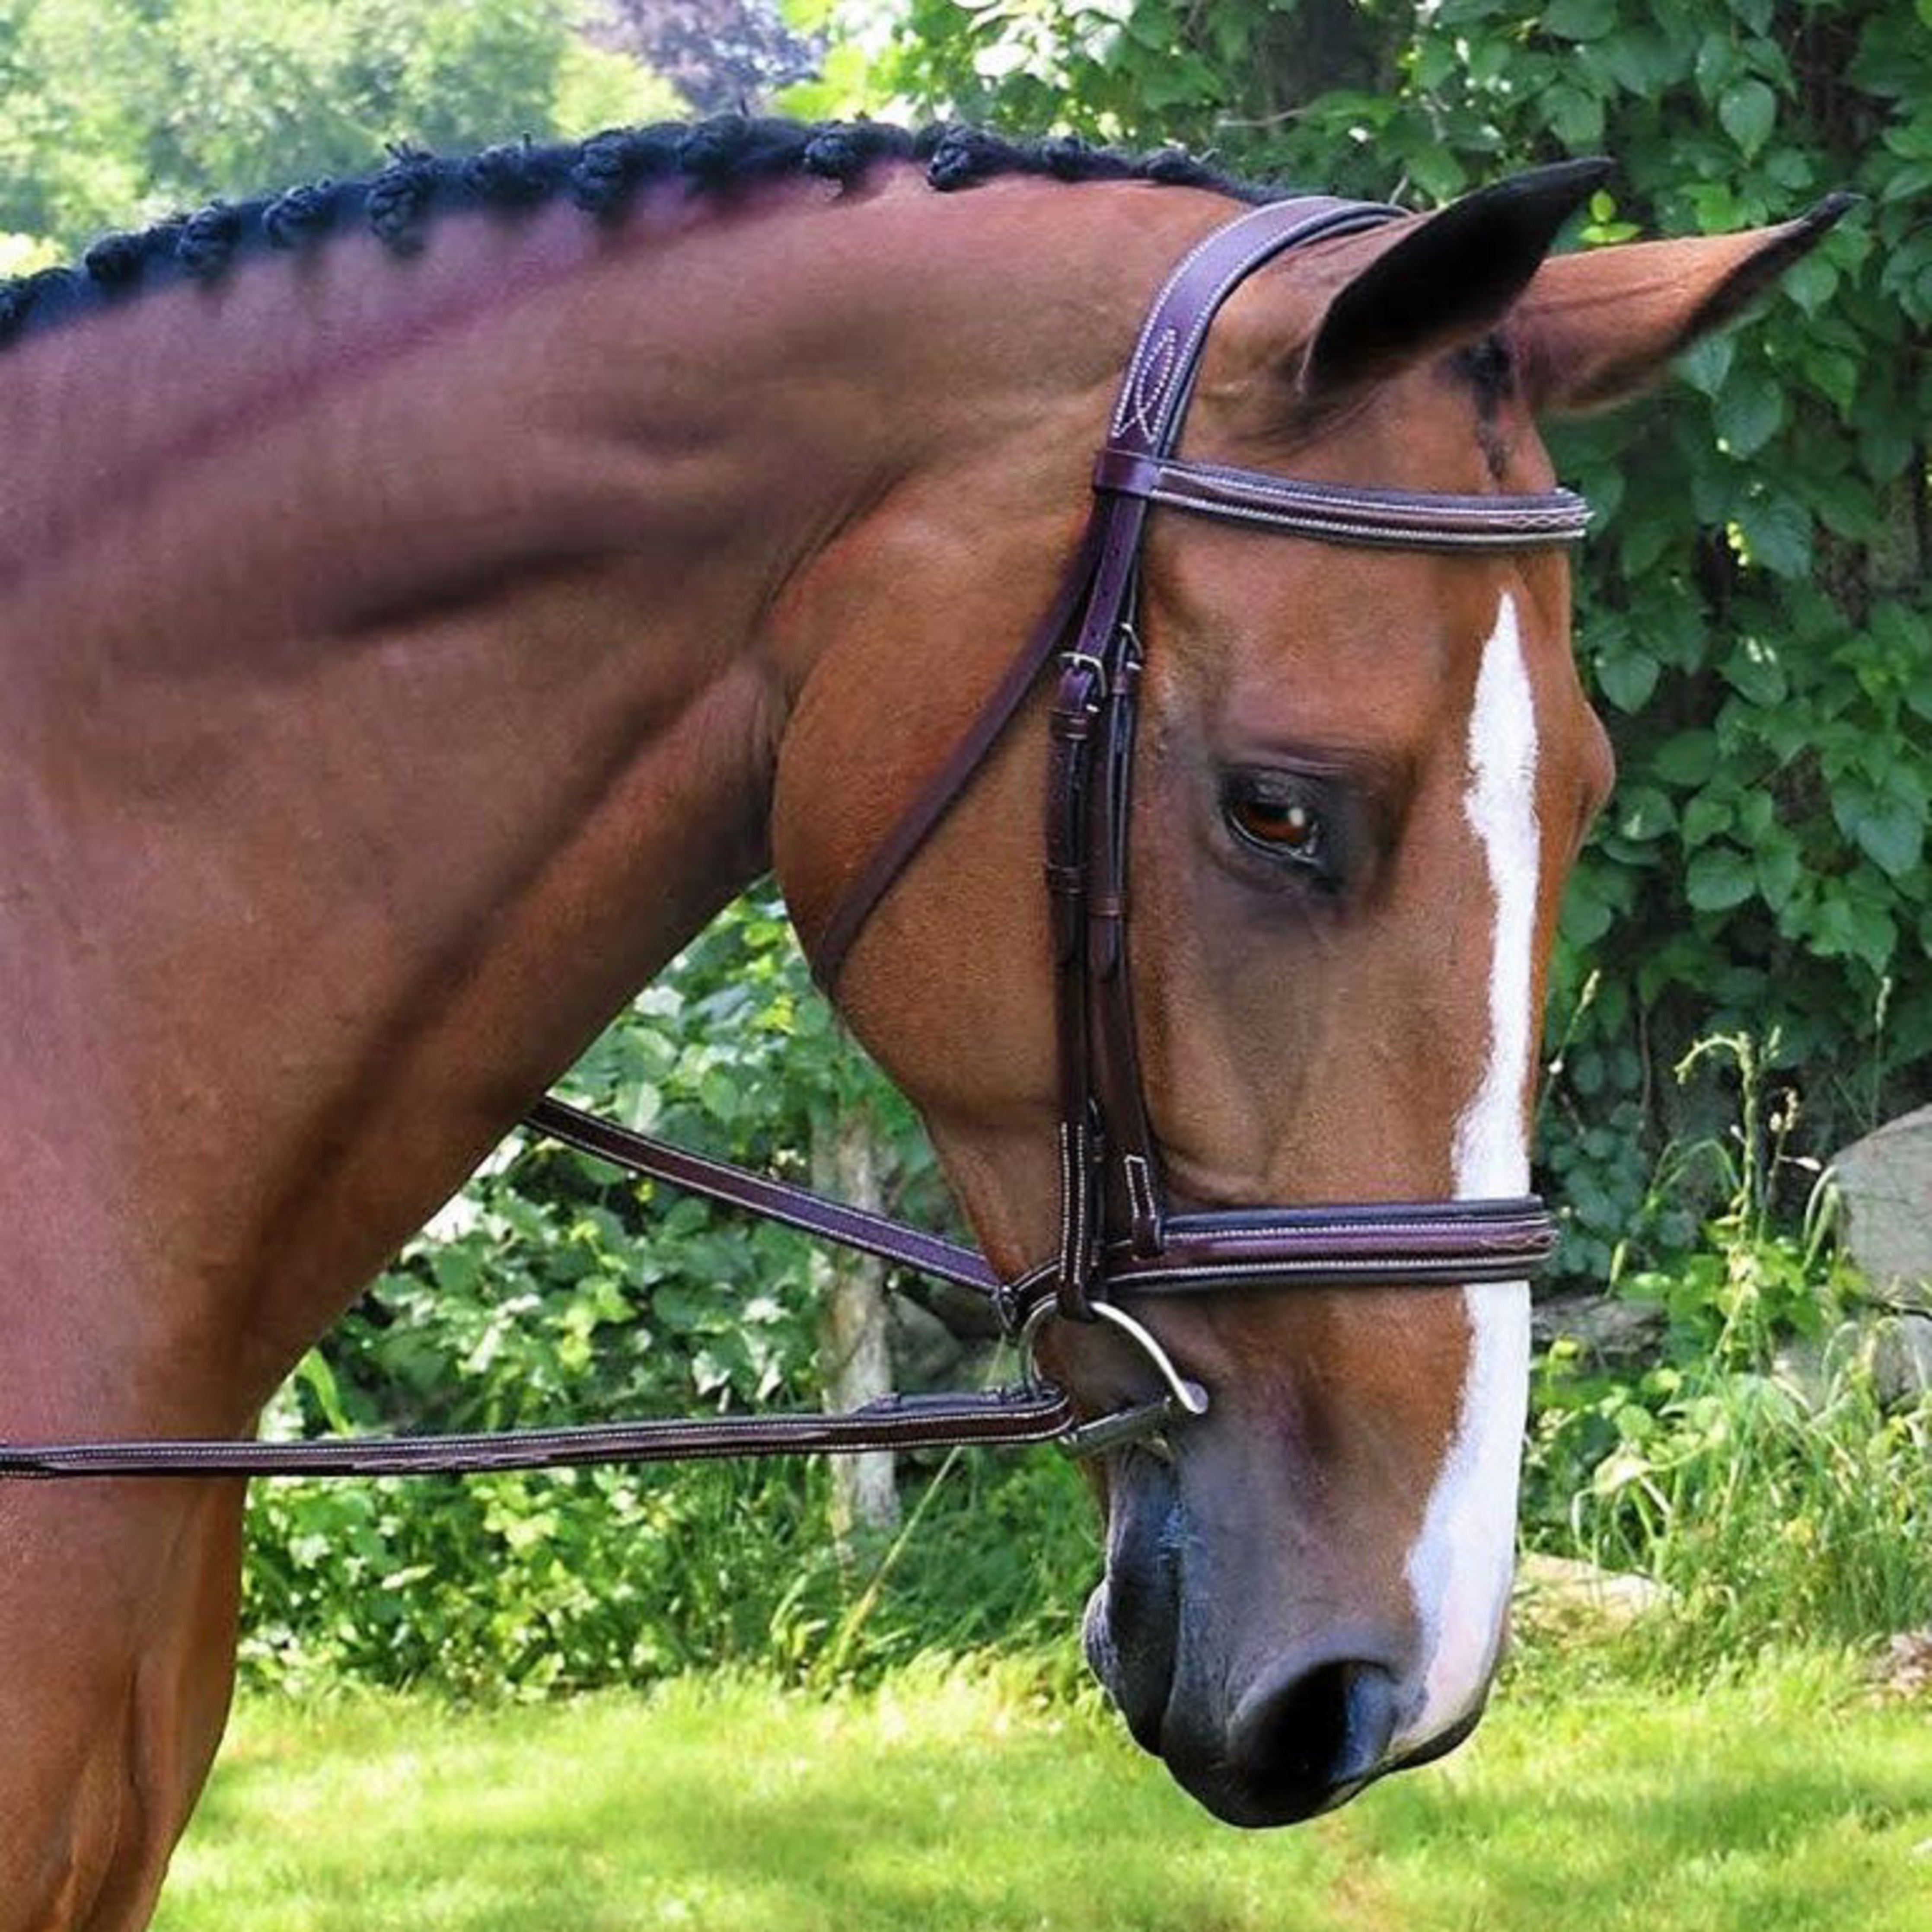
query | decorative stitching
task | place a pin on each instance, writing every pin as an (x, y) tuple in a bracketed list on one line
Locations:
[(1067, 1205), (1151, 381), (1374, 535), (1076, 1273), (1453, 1267), (1524, 1227), (1336, 216)]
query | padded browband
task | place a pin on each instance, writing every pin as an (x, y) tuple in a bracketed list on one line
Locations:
[(1340, 514)]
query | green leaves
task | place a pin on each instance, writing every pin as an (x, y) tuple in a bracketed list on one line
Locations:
[(1750, 411), (1748, 110), (1718, 878), (1688, 758), (1774, 533), (1578, 19), (120, 110), (1887, 822)]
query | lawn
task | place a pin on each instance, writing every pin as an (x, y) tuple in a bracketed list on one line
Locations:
[(960, 1803)]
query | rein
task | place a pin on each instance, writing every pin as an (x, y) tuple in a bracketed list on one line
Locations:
[(1119, 1233)]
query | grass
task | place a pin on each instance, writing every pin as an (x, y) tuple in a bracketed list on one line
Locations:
[(958, 1802)]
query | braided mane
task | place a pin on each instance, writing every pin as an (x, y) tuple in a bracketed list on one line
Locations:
[(599, 176)]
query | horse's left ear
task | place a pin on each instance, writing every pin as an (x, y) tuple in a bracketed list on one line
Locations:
[(1594, 328), (1435, 280)]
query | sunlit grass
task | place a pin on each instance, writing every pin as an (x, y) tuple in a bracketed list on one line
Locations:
[(960, 1802)]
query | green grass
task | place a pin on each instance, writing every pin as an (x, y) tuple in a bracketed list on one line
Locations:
[(960, 1803)]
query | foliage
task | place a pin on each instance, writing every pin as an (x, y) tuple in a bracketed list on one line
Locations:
[(722, 55), (1754, 1470), (1755, 620), (555, 1289), (120, 111), (1776, 1516)]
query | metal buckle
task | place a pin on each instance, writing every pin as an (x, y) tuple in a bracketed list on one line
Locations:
[(1184, 1398), (1079, 660)]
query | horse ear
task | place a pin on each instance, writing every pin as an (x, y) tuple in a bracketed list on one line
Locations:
[(1594, 328), (1445, 279)]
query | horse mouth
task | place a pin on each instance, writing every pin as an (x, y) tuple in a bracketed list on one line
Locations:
[(1131, 1630), (1322, 1717)]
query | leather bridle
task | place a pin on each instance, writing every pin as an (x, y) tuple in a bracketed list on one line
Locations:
[(1119, 1236)]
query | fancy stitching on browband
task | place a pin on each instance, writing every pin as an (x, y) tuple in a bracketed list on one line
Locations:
[(1331, 217)]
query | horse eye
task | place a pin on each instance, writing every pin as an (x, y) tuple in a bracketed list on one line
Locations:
[(1287, 829)]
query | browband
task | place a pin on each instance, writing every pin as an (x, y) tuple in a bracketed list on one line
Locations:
[(1341, 514)]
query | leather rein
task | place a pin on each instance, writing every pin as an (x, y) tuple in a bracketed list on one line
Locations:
[(1119, 1236)]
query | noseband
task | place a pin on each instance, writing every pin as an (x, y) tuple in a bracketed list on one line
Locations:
[(1119, 1237)]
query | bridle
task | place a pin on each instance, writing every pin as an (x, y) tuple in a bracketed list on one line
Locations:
[(1119, 1236)]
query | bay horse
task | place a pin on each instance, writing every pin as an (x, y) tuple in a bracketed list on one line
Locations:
[(424, 603)]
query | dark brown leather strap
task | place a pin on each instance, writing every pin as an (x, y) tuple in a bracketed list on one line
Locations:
[(1038, 1414), (935, 799), (1332, 513), (1110, 1160), (765, 1195), (1412, 1244)]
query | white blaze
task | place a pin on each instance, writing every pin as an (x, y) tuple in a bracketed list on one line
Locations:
[(1460, 1568)]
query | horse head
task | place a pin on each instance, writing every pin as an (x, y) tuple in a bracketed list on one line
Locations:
[(1362, 775)]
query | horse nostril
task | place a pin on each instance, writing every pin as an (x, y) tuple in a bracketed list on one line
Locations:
[(1304, 1739)]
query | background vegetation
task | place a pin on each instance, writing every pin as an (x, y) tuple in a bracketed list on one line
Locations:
[(1753, 621)]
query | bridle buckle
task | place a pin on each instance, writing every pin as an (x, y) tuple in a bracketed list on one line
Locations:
[(1086, 661)]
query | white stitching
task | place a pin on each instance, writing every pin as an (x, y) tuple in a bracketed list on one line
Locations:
[(1149, 384), (1456, 1268), (1308, 525), (1067, 1205), (1310, 226), (1082, 1206), (1155, 315), (1507, 1228)]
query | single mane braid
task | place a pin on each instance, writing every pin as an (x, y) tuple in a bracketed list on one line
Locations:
[(600, 175)]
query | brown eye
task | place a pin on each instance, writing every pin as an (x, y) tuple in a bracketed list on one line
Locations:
[(1288, 828)]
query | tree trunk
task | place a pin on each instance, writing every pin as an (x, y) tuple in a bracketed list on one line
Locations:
[(854, 1346)]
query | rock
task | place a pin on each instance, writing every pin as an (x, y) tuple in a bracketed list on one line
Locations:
[(927, 1355), (1896, 1348), (1901, 1348), (1807, 1363), (1885, 1184), (1905, 1670), (1562, 1593), (1609, 1333)]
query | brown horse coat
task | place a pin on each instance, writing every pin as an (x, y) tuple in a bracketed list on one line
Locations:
[(404, 656)]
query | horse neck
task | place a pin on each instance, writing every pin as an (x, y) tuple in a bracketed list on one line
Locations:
[(402, 686)]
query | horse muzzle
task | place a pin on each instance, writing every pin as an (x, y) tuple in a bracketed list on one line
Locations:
[(1273, 1685)]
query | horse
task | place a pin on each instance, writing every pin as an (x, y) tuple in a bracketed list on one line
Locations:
[(425, 601)]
